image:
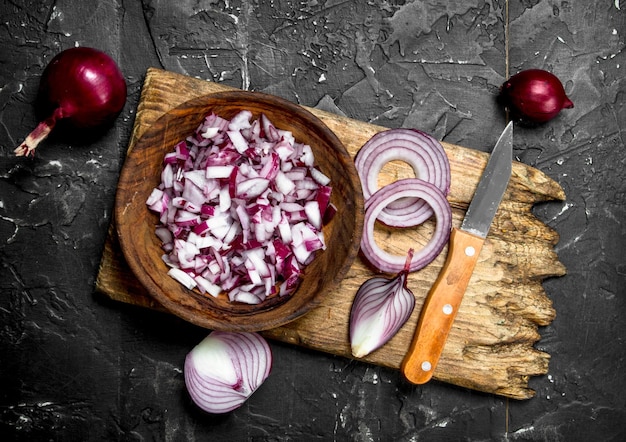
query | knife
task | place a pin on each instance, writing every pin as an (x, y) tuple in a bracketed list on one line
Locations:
[(464, 246)]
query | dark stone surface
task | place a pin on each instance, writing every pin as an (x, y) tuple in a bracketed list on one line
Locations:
[(76, 367)]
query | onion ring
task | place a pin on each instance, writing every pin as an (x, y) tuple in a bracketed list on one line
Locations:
[(414, 188), (422, 152)]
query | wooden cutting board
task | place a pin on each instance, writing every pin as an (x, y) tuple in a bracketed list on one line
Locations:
[(491, 345)]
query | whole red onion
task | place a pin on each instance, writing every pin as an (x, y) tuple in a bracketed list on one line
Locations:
[(82, 86), (534, 96)]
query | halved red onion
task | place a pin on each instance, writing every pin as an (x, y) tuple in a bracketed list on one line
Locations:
[(414, 188), (229, 194), (225, 368), (422, 152), (381, 306)]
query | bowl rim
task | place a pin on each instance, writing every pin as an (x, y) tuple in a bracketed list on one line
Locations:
[(258, 320)]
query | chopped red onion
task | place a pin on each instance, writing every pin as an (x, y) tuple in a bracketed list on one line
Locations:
[(244, 206)]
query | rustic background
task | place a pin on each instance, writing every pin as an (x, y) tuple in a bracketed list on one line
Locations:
[(75, 366)]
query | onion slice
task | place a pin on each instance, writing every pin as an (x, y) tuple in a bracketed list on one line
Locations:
[(422, 152), (414, 188), (225, 368), (381, 306)]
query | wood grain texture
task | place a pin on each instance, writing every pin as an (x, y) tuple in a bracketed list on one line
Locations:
[(491, 345)]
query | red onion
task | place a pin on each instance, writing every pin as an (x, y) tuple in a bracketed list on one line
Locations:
[(409, 187), (534, 96), (225, 368), (422, 152), (381, 306), (241, 208), (81, 86)]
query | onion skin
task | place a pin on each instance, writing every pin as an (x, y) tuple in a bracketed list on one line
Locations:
[(82, 86), (534, 96)]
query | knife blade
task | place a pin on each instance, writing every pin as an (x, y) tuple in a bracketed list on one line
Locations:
[(465, 244)]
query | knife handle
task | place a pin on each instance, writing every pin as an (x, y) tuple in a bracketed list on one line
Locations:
[(441, 306)]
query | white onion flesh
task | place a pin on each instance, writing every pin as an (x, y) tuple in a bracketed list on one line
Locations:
[(225, 369), (241, 207)]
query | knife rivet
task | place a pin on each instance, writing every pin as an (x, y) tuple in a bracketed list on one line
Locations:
[(470, 251), (447, 309), (426, 366)]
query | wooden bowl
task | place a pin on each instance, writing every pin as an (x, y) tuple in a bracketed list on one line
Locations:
[(135, 223)]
